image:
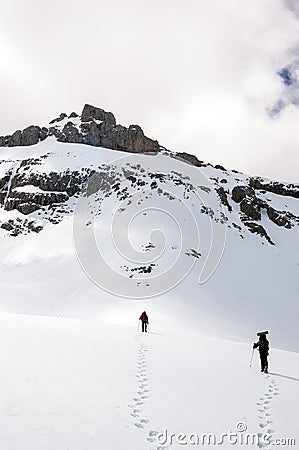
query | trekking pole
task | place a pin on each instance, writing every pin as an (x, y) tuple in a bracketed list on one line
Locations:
[(251, 357)]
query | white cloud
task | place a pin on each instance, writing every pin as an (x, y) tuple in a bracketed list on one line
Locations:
[(198, 76)]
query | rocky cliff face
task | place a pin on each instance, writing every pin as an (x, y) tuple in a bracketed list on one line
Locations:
[(94, 127)]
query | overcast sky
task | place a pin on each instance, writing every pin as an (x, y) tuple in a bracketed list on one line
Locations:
[(198, 76)]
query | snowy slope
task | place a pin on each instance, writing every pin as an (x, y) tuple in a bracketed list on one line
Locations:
[(97, 383), (68, 384), (254, 287)]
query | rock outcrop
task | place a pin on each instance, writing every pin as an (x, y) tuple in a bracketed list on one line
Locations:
[(275, 187), (97, 127), (191, 159), (91, 112), (28, 202), (259, 229), (249, 204), (29, 136)]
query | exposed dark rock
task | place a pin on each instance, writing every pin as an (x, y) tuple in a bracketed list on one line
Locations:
[(15, 139), (223, 197), (27, 202), (218, 166), (291, 190), (282, 218), (70, 133), (191, 159), (91, 134), (91, 112), (18, 226), (141, 269), (30, 135), (58, 119), (249, 204), (7, 226), (33, 227), (44, 133), (193, 252), (258, 229), (104, 134), (4, 180), (250, 208), (130, 139), (241, 192), (73, 115), (236, 226), (27, 208)]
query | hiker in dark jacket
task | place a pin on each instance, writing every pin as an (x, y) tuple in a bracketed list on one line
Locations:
[(144, 320), (263, 345)]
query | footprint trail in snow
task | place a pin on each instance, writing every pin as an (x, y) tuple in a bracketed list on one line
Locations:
[(266, 423), (142, 394)]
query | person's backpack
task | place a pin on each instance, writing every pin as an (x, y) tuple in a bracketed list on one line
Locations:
[(264, 345)]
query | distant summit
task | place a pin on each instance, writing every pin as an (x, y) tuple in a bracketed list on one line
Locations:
[(94, 127)]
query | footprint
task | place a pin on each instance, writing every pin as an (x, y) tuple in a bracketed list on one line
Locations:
[(152, 433), (142, 380)]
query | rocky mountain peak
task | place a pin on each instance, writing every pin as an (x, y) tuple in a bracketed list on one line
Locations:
[(90, 113), (94, 126), (43, 187)]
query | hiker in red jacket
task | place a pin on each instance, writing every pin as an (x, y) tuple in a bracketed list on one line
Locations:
[(144, 320)]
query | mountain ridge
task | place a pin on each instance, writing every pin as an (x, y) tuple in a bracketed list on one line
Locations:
[(97, 128)]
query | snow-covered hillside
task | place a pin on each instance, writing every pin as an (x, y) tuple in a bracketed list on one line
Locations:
[(99, 222), (68, 384), (254, 287)]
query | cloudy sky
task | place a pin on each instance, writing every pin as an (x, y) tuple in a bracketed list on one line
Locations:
[(199, 76)]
